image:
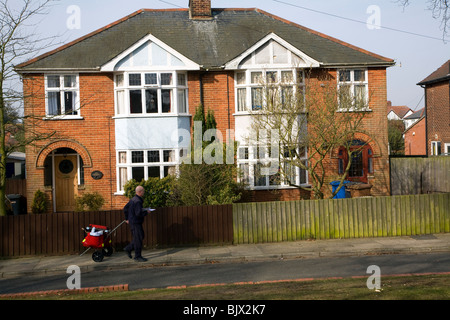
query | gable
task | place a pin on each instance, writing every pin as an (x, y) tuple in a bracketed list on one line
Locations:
[(150, 53), (272, 51)]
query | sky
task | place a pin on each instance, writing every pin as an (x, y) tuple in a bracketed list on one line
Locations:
[(409, 35)]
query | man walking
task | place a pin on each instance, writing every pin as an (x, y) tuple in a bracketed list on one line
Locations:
[(134, 214)]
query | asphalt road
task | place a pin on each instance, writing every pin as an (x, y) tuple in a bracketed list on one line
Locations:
[(162, 277)]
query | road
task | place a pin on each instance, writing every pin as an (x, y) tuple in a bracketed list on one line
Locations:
[(162, 277)]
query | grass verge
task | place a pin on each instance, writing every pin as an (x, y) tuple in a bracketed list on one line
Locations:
[(415, 287)]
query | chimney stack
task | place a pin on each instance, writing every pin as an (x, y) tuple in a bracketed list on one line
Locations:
[(200, 9)]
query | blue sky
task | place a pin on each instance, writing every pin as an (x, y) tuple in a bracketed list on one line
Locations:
[(416, 56)]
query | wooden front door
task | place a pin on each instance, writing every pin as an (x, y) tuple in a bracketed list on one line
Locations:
[(66, 181)]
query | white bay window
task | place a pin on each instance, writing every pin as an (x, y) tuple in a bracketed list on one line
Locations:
[(151, 93)]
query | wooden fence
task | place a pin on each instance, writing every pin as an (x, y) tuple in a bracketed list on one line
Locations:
[(419, 175), (61, 233), (341, 218), (238, 223)]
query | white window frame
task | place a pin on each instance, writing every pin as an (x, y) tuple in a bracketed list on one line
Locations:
[(146, 164), (255, 156), (248, 85), (447, 149), (435, 145), (62, 89), (178, 90), (352, 83)]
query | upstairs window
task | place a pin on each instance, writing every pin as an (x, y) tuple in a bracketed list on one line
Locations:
[(256, 89), (353, 89), (151, 93), (62, 95)]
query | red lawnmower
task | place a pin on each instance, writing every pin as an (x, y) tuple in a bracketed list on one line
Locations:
[(99, 238)]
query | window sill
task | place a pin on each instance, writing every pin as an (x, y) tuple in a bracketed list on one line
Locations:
[(158, 115), (355, 110), (53, 118), (119, 193), (276, 187)]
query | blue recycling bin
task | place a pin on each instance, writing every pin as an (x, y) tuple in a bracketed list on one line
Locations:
[(342, 192)]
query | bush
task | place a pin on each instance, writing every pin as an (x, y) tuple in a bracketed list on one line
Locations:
[(89, 202), (39, 204), (157, 191)]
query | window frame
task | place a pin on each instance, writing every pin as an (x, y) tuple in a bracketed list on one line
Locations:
[(128, 164), (244, 82), (177, 91), (251, 157), (352, 83), (436, 148), (63, 89)]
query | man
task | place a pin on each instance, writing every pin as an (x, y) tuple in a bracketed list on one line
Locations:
[(134, 214)]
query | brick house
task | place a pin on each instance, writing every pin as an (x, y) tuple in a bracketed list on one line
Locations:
[(437, 110), (415, 139), (121, 97)]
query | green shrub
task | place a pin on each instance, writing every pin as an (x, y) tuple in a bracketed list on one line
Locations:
[(40, 203), (89, 202), (157, 191)]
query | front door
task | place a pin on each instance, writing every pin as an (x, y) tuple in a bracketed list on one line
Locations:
[(361, 162), (66, 181)]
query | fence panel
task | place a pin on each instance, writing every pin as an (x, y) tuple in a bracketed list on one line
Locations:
[(61, 233), (419, 175), (343, 218)]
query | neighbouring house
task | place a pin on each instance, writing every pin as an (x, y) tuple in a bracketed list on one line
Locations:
[(397, 112), (413, 118), (122, 98), (437, 110), (415, 134)]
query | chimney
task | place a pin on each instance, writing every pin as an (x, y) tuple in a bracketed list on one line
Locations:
[(200, 9)]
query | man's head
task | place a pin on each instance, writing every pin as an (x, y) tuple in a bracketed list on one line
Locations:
[(140, 191)]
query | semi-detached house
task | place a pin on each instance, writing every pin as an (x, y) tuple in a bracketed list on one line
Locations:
[(121, 97)]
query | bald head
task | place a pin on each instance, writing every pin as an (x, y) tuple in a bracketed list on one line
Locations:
[(140, 191)]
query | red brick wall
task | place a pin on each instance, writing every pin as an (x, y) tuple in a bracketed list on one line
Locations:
[(200, 9), (93, 136), (438, 113), (218, 96), (415, 140)]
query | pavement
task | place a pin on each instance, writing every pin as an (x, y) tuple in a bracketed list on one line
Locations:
[(306, 249)]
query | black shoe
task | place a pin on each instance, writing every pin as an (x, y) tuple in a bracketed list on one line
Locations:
[(128, 253), (140, 259)]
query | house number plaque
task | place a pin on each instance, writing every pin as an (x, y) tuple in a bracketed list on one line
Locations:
[(97, 175)]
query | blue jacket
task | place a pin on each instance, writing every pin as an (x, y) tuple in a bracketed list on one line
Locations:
[(134, 211)]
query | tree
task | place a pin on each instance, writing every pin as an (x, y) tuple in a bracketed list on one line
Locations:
[(208, 182), (395, 136), (16, 42), (301, 126), (440, 9)]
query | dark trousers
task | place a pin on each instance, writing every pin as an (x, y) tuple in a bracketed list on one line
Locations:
[(137, 233)]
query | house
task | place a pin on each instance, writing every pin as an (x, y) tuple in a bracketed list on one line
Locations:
[(415, 134), (122, 98), (437, 110), (412, 118), (398, 112)]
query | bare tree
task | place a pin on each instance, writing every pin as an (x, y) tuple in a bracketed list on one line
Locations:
[(440, 9), (310, 121), (17, 43)]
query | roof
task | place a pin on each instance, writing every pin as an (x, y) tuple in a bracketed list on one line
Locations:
[(400, 111), (441, 74), (210, 44), (416, 115)]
